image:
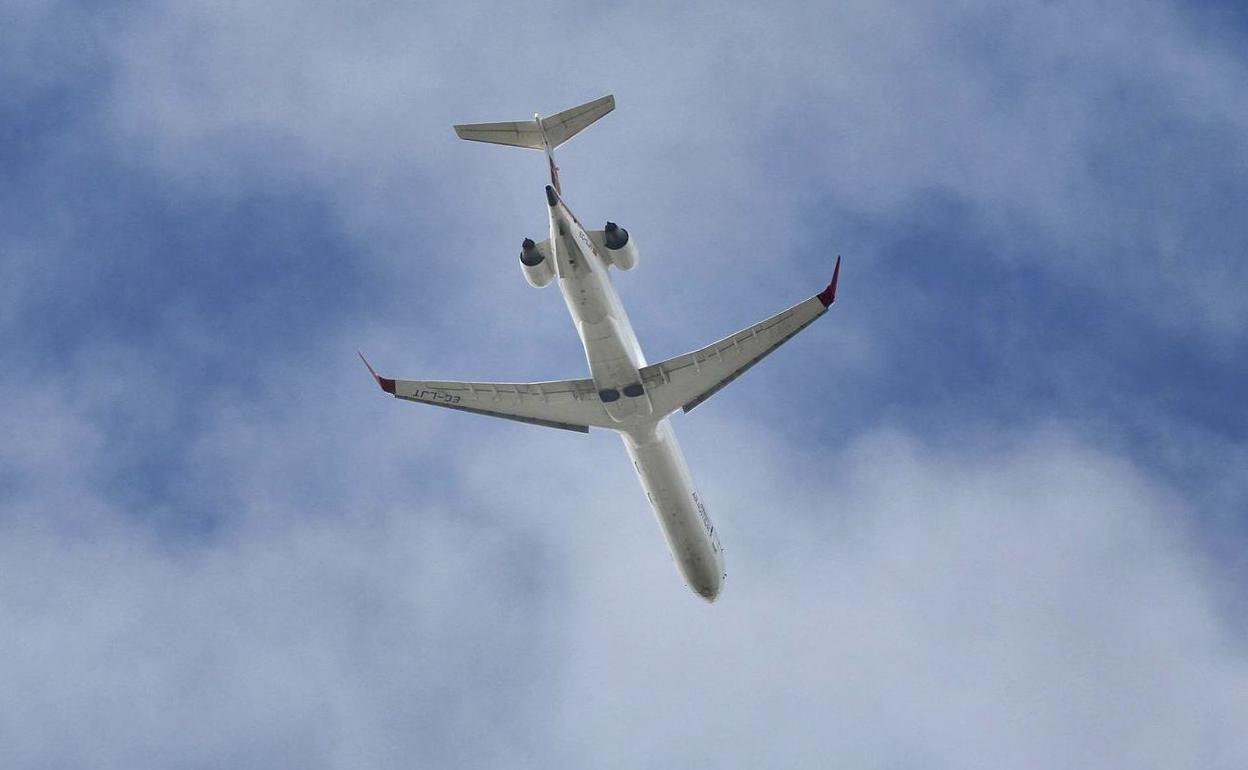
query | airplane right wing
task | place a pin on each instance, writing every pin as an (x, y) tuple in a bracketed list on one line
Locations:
[(566, 404), (686, 381)]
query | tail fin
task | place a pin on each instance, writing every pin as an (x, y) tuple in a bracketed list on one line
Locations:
[(539, 133)]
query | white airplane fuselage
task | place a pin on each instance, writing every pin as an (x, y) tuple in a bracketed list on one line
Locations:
[(615, 359)]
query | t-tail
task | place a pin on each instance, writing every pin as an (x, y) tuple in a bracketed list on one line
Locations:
[(540, 133)]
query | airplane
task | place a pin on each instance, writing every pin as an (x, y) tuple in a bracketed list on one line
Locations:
[(623, 392)]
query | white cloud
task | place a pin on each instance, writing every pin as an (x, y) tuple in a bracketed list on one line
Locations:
[(1024, 113), (1024, 601), (385, 586)]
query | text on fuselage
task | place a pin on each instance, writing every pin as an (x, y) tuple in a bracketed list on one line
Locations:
[(706, 521)]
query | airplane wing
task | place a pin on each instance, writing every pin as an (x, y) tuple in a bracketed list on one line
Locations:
[(685, 381), (566, 404)]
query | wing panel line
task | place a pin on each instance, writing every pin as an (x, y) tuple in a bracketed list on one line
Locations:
[(516, 418)]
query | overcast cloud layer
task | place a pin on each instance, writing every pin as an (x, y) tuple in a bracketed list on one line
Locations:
[(989, 512)]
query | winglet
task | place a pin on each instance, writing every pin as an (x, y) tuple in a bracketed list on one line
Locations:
[(385, 383), (828, 295)]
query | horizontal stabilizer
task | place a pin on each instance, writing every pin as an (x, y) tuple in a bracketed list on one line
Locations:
[(522, 133), (567, 124), (528, 133)]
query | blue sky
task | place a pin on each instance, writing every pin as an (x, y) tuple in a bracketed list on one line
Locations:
[(991, 510)]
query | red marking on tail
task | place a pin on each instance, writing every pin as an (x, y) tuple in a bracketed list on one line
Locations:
[(554, 174)]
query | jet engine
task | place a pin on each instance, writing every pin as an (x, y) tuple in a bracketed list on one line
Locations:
[(620, 249), (535, 262)]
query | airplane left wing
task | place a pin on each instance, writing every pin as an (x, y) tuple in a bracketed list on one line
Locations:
[(686, 381), (565, 404)]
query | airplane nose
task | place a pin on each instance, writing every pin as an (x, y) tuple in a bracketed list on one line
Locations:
[(707, 586), (709, 593), (706, 579)]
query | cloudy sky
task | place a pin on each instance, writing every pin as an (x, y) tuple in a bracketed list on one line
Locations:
[(992, 511)]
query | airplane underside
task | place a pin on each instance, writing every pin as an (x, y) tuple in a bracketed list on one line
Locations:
[(623, 392)]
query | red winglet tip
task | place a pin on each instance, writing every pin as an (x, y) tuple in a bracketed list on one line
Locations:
[(828, 295), (385, 383)]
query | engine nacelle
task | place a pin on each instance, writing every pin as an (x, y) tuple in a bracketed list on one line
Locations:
[(536, 264), (620, 248)]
